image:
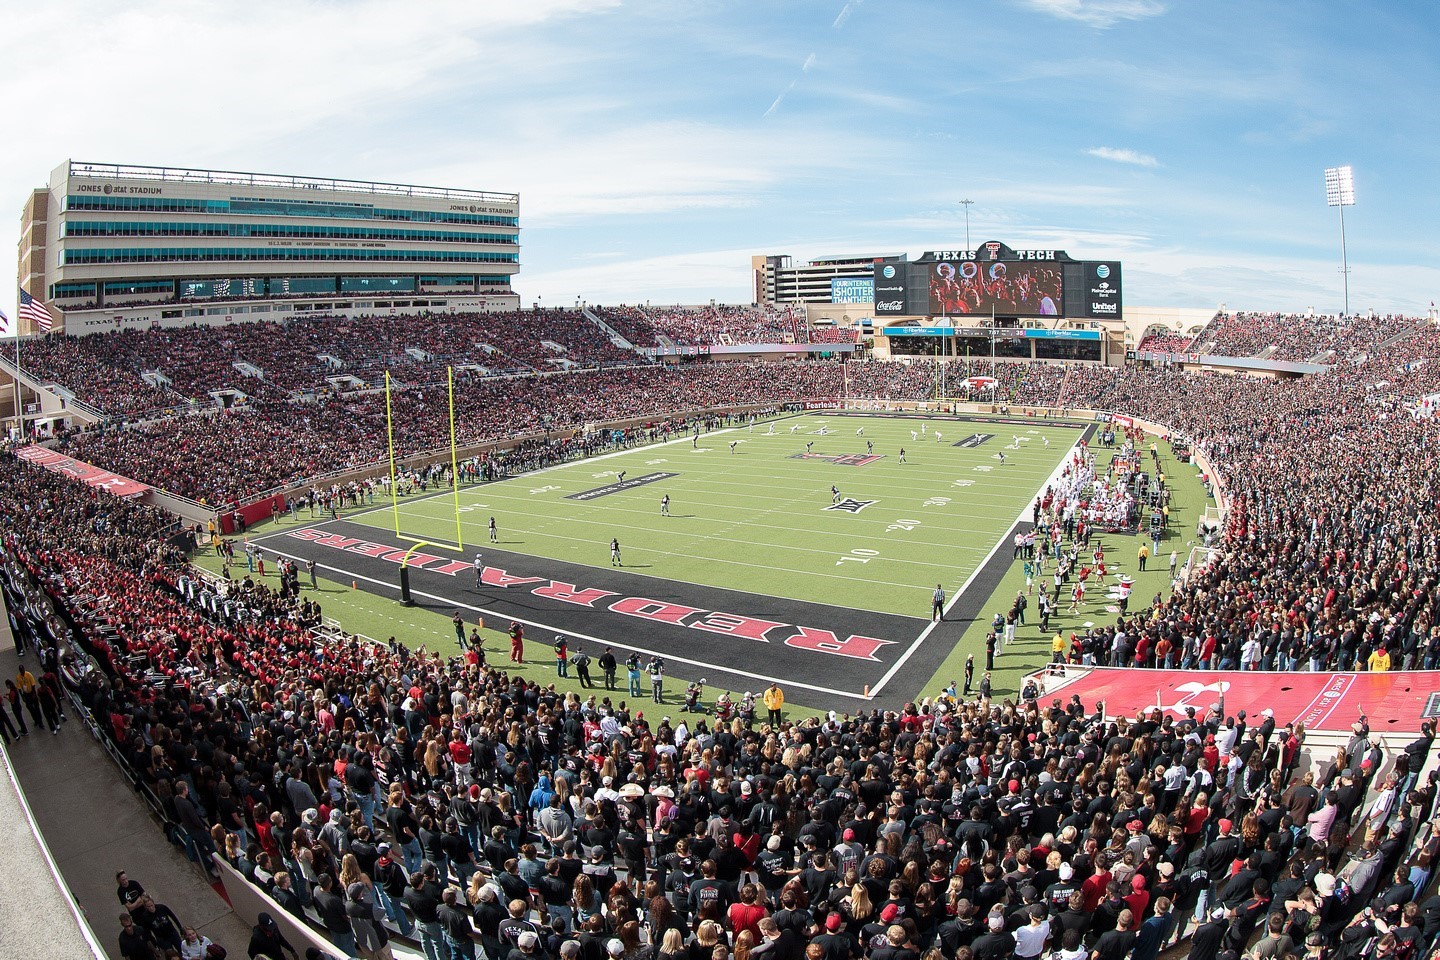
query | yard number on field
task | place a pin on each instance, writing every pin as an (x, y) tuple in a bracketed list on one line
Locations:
[(902, 525), (546, 489), (941, 501), (858, 556)]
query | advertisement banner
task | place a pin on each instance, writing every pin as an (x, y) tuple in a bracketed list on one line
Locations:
[(852, 290), (890, 289), (87, 474), (1102, 290)]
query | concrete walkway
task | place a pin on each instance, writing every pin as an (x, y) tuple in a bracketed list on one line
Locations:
[(95, 825)]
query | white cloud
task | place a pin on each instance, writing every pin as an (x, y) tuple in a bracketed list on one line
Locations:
[(640, 170), (1099, 13), (1119, 155), (693, 277)]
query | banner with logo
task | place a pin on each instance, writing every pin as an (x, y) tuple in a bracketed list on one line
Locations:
[(1102, 290), (91, 476), (891, 287)]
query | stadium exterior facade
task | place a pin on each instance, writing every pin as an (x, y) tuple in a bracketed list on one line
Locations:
[(111, 246)]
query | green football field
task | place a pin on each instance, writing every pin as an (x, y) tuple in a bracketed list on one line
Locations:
[(760, 519)]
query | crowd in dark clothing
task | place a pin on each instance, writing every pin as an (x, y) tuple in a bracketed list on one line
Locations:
[(476, 810), (472, 808)]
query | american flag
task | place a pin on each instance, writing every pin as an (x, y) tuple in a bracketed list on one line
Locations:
[(34, 311), (5, 330)]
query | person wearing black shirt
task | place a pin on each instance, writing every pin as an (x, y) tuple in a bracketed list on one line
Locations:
[(1116, 944), (136, 942), (455, 926), (1209, 936), (129, 891), (710, 890), (331, 907), (488, 915), (266, 940), (834, 944), (423, 900), (777, 943), (995, 943)]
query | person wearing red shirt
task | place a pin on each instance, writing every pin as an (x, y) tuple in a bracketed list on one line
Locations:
[(747, 914), (1093, 889), (517, 643)]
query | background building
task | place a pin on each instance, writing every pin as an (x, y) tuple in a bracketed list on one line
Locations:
[(113, 246), (778, 280)]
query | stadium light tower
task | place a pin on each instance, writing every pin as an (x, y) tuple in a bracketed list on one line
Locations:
[(967, 204), (1340, 192)]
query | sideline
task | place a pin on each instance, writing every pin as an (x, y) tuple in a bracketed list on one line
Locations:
[(1007, 538)]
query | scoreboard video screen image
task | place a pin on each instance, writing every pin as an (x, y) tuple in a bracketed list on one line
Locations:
[(1007, 288), (994, 279)]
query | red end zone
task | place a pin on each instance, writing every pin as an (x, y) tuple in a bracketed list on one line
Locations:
[(1321, 701)]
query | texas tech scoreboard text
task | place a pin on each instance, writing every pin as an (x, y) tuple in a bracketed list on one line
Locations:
[(995, 280)]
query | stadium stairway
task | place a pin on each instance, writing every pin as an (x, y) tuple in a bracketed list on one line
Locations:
[(608, 330)]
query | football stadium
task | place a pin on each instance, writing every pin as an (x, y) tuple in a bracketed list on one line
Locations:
[(945, 606)]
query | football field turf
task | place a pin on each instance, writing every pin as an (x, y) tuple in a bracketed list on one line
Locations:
[(763, 520), (759, 573)]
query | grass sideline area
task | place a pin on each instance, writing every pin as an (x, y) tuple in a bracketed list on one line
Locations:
[(945, 542), (1031, 650)]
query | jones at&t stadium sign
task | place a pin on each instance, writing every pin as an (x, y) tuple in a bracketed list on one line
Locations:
[(677, 615)]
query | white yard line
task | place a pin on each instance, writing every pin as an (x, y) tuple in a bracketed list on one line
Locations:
[(1007, 539)]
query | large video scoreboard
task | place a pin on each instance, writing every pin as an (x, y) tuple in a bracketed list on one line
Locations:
[(995, 279)]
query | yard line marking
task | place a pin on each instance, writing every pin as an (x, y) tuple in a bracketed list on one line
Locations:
[(1009, 537)]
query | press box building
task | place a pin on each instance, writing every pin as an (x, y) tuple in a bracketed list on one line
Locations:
[(112, 246)]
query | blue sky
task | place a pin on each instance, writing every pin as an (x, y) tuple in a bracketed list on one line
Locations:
[(657, 145)]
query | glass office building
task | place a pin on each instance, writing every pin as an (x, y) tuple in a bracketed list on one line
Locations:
[(117, 246)]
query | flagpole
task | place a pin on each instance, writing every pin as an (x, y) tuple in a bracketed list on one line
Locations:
[(19, 408)]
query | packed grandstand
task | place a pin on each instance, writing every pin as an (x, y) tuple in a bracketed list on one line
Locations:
[(354, 781)]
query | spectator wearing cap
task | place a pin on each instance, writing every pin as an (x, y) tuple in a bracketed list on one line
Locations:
[(391, 882), (266, 940), (488, 914), (370, 937), (832, 942), (527, 947), (1030, 939), (1220, 853), (995, 943)]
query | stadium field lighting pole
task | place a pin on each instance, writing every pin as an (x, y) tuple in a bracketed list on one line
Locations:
[(1340, 192), (967, 204)]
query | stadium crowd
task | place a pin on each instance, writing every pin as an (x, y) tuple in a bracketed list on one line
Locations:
[(471, 808), (376, 791), (265, 445), (1319, 338), (105, 369), (716, 324)]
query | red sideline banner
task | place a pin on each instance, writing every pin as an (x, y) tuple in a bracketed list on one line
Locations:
[(1394, 701), (79, 470), (253, 512)]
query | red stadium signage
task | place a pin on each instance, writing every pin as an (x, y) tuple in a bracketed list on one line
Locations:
[(87, 474), (644, 608)]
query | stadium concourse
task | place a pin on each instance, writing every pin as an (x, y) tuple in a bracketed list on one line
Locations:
[(477, 811)]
